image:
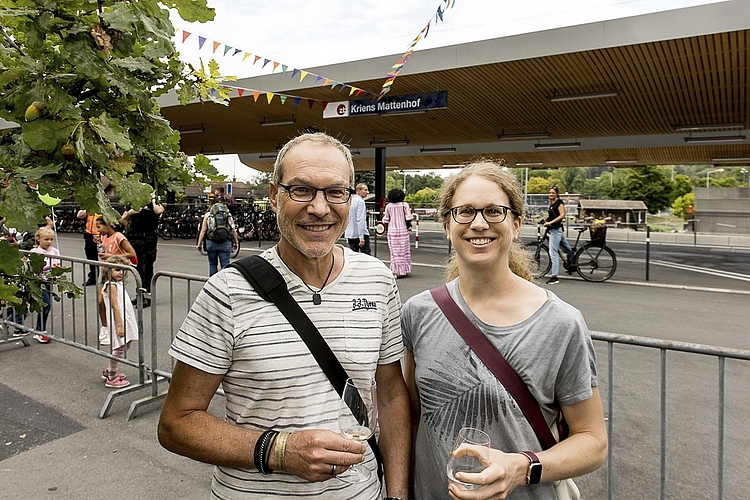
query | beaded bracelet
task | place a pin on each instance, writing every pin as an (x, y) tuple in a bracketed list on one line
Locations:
[(259, 454)]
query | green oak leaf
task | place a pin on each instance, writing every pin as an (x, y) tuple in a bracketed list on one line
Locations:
[(110, 130)]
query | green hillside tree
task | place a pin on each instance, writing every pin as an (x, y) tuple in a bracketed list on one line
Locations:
[(80, 78), (538, 185), (648, 184), (681, 203), (681, 185)]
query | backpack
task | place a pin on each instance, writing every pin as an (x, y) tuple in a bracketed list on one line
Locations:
[(218, 223)]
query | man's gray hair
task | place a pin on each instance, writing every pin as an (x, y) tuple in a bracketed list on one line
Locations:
[(320, 138)]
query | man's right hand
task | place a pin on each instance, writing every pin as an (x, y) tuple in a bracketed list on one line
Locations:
[(310, 454)]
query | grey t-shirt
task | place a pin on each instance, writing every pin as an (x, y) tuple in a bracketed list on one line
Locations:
[(552, 351)]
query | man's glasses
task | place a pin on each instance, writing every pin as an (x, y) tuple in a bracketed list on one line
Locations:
[(493, 214), (335, 195)]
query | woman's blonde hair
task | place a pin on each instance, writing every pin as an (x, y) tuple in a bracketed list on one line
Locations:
[(106, 272), (493, 171)]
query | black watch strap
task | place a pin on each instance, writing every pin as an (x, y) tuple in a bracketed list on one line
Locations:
[(534, 473)]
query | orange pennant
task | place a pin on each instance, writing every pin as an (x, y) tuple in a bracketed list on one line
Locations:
[(256, 94), (216, 46)]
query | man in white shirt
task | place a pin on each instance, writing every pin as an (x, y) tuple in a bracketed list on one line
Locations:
[(279, 436), (356, 231)]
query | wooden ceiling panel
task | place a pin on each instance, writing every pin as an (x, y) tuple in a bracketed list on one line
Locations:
[(697, 80)]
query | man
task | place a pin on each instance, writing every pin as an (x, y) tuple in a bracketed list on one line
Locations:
[(226, 199), (142, 226), (233, 338), (356, 233), (90, 242)]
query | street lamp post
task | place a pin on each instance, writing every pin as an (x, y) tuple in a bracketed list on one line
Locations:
[(712, 172), (743, 172)]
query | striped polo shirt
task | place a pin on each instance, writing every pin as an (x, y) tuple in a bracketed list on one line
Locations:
[(271, 380)]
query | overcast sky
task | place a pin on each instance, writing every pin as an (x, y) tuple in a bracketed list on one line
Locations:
[(308, 33)]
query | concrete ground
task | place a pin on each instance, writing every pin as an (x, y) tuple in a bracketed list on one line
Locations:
[(55, 446)]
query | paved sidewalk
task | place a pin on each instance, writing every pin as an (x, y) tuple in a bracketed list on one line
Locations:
[(50, 396)]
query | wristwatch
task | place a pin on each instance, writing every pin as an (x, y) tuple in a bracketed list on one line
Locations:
[(534, 474)]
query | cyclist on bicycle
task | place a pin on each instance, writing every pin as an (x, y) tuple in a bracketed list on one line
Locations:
[(553, 222)]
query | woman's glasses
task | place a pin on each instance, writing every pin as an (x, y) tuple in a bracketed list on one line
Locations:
[(493, 214)]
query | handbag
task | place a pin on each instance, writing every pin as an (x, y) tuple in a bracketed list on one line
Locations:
[(565, 489), (408, 221), (270, 285)]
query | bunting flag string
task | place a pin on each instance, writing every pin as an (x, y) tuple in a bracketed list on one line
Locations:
[(284, 67), (396, 68), (241, 91)]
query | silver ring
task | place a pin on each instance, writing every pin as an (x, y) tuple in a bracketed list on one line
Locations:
[(333, 469)]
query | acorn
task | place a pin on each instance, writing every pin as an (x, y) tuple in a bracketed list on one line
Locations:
[(68, 151), (33, 111)]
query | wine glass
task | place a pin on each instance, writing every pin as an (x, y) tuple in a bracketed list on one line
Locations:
[(358, 416), (479, 442)]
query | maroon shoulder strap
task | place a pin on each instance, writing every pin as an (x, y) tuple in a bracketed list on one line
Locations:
[(492, 358)]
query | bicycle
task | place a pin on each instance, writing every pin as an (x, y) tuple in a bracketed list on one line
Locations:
[(593, 261)]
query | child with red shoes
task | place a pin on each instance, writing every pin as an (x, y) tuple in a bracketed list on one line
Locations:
[(119, 314)]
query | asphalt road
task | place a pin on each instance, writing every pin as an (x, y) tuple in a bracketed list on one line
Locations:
[(696, 295)]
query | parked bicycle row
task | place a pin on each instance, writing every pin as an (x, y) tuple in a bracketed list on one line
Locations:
[(254, 221)]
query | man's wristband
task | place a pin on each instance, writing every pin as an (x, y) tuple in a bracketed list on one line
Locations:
[(393, 498)]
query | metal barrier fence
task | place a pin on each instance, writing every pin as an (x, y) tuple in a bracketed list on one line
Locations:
[(651, 424), (159, 344), (689, 428), (76, 322)]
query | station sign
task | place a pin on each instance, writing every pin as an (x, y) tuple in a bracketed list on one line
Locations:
[(412, 103)]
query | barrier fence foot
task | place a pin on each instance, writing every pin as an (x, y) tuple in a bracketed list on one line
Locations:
[(119, 392), (23, 339), (143, 402)]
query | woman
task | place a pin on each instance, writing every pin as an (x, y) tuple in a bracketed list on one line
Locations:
[(219, 252), (397, 212), (554, 225), (544, 339)]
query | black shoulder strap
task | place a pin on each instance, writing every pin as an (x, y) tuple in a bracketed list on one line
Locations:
[(271, 286)]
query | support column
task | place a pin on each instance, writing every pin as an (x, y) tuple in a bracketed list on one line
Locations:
[(380, 179)]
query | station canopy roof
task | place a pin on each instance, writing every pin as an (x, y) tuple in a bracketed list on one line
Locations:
[(663, 88)]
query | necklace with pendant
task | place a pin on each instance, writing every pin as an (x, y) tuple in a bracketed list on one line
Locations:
[(316, 294)]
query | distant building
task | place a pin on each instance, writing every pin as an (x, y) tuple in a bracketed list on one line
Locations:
[(722, 210), (617, 213)]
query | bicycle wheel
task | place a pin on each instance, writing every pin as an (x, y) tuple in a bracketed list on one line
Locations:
[(595, 262), (237, 252), (165, 232), (540, 261)]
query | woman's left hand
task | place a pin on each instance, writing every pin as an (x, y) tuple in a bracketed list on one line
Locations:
[(502, 476)]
